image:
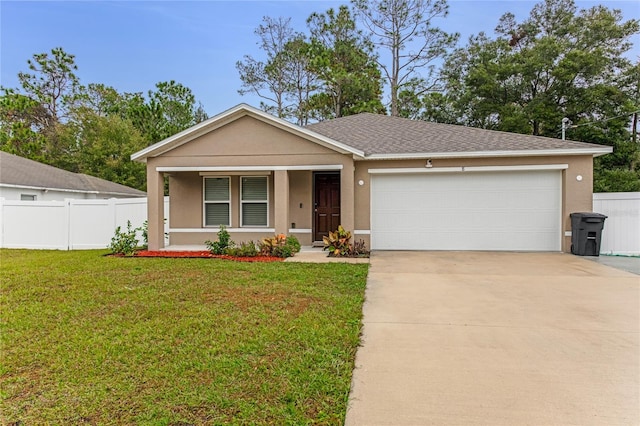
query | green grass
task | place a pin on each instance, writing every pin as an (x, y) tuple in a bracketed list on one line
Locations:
[(103, 340)]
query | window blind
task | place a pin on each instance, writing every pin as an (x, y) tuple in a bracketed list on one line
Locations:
[(216, 214), (254, 188), (255, 195), (216, 189), (254, 214)]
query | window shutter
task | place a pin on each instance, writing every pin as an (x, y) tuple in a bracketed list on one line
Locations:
[(216, 189), (217, 214), (254, 188), (254, 214)]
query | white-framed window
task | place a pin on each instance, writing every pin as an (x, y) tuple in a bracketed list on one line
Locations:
[(217, 201), (254, 200), (28, 197)]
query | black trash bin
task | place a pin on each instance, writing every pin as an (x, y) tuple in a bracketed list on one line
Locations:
[(586, 233)]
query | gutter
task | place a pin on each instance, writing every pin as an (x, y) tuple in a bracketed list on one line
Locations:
[(596, 152), (80, 191)]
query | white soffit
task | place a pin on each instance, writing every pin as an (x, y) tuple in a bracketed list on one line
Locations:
[(205, 169), (461, 169)]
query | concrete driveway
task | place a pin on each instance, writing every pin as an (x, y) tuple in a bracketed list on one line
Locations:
[(467, 338)]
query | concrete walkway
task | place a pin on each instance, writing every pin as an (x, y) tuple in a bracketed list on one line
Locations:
[(472, 338), (317, 255)]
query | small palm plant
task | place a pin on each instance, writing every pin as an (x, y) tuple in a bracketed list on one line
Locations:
[(338, 242)]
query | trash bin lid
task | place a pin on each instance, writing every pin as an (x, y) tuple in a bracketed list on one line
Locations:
[(588, 215)]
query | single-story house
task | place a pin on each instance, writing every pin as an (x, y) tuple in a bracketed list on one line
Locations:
[(398, 184), (28, 180)]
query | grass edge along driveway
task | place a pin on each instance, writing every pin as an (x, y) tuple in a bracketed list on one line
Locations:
[(102, 340)]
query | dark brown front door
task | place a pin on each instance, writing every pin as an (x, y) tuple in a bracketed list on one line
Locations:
[(327, 204)]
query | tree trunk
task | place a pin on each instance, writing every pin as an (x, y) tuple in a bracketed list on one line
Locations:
[(394, 100)]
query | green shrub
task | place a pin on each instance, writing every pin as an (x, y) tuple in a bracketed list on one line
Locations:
[(338, 242), (293, 242), (282, 251), (268, 245), (124, 242), (279, 246), (224, 242), (359, 249), (246, 249), (145, 234)]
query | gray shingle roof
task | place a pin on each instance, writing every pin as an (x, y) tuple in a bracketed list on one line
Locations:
[(15, 170), (383, 135)]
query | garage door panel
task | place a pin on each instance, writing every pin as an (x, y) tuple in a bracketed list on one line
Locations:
[(438, 240), (467, 211)]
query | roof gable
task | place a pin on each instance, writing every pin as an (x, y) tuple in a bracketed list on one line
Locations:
[(382, 136), (232, 115), (248, 136)]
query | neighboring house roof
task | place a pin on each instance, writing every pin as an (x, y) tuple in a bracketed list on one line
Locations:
[(21, 172), (374, 136), (382, 136)]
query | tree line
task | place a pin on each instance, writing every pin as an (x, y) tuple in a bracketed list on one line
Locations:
[(559, 62), (379, 56), (93, 128), (335, 70)]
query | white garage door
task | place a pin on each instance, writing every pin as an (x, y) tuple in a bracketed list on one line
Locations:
[(510, 210)]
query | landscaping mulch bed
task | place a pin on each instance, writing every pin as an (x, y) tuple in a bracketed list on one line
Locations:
[(205, 254)]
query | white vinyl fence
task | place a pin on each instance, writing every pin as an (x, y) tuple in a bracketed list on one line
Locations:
[(621, 234), (69, 224)]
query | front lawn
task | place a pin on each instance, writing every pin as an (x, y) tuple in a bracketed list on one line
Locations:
[(104, 340)]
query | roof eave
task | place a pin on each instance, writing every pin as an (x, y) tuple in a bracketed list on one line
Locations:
[(596, 152), (230, 115), (80, 191)]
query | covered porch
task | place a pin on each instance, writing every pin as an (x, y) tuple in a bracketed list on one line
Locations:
[(251, 201)]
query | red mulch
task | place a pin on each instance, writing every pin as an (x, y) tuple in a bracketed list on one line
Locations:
[(205, 254)]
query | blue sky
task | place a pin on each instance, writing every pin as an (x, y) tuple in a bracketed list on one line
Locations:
[(133, 45)]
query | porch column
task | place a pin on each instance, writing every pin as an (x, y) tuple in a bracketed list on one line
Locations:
[(281, 201), (347, 197), (155, 208)]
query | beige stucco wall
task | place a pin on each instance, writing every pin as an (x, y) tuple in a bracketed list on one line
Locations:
[(301, 199), (248, 136), (185, 187), (198, 238), (250, 142), (577, 195)]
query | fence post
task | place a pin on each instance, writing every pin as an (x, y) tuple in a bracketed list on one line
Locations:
[(1, 222), (67, 222), (114, 215)]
